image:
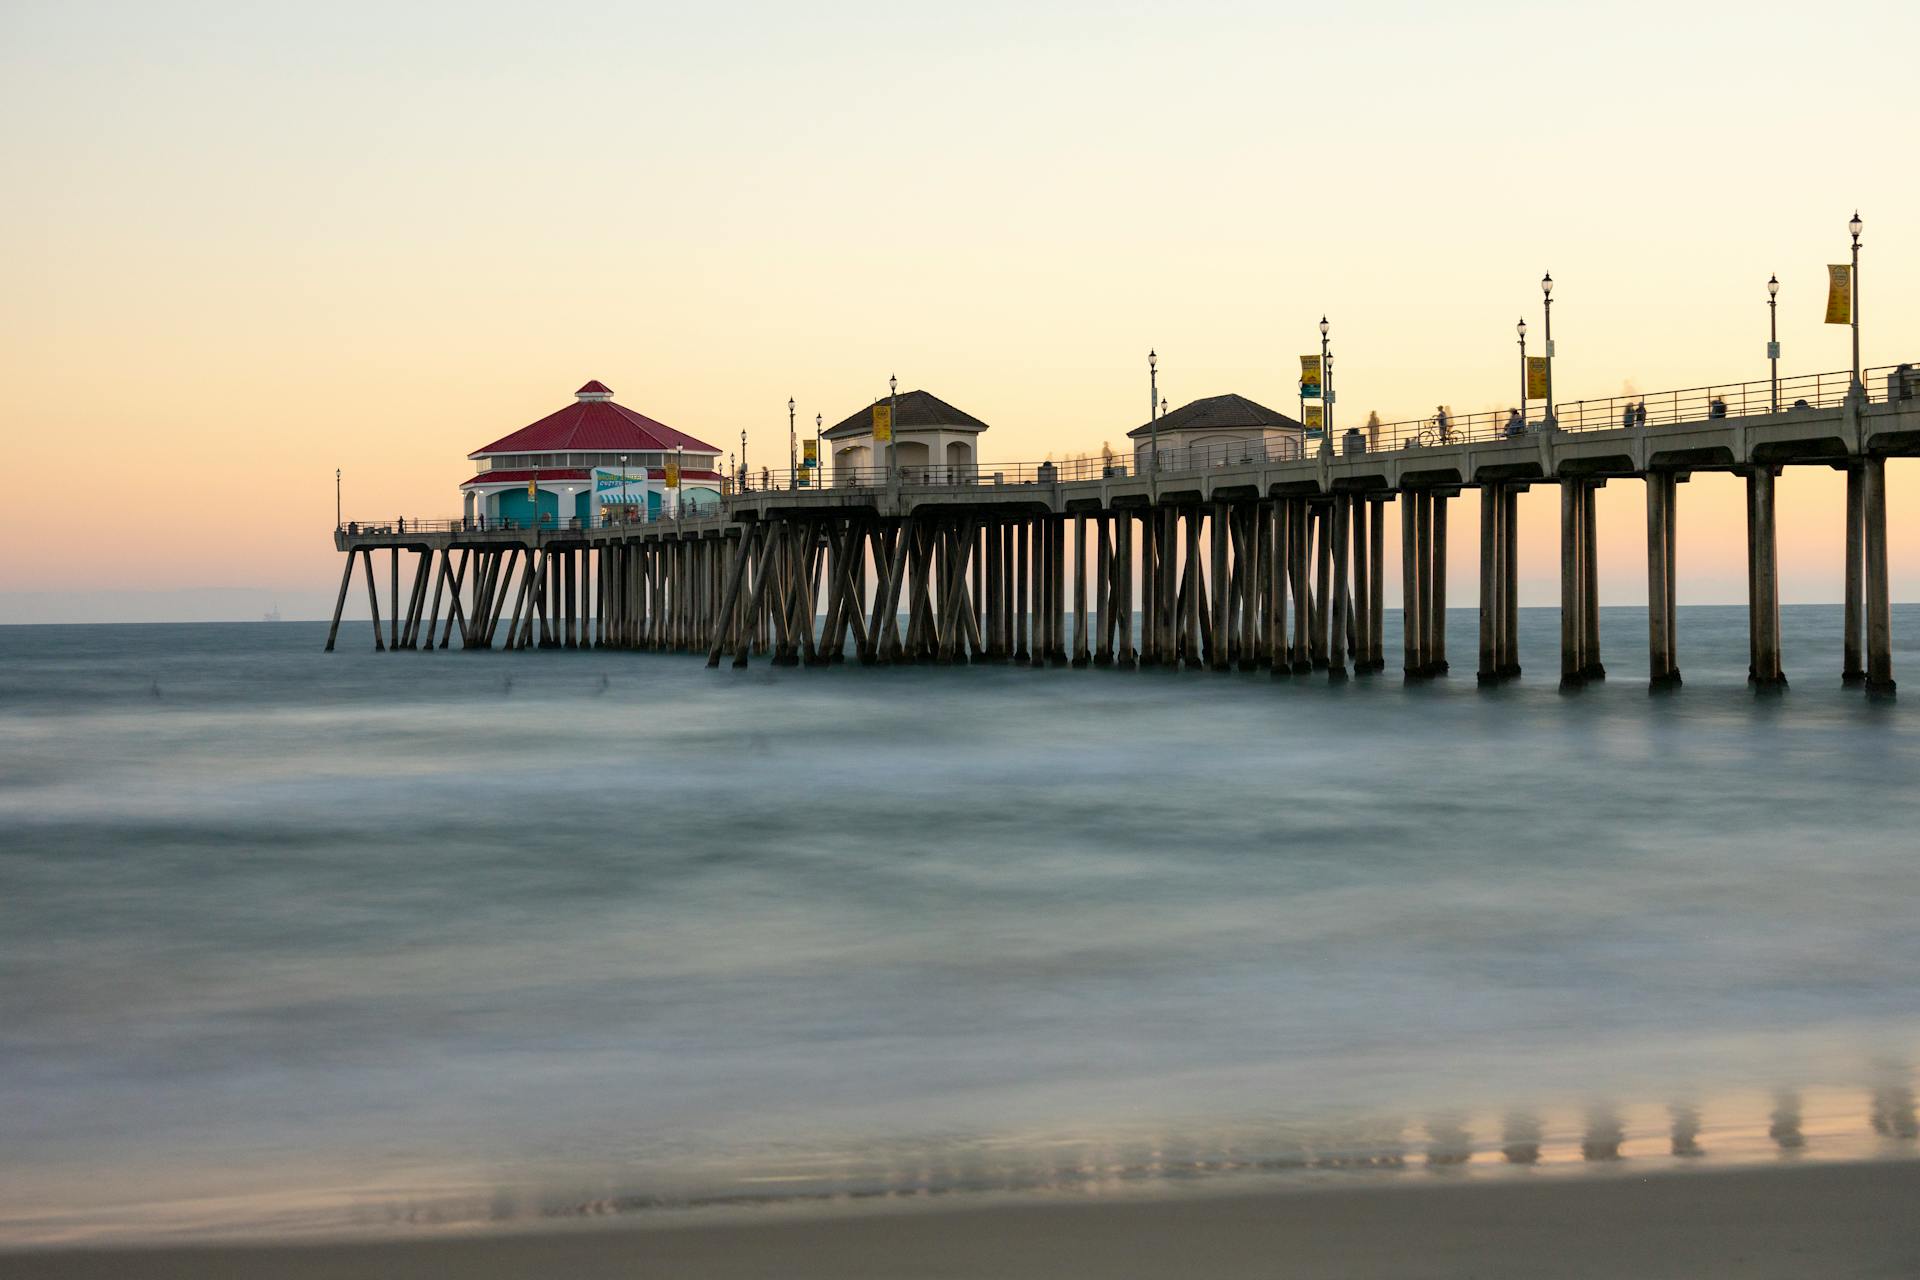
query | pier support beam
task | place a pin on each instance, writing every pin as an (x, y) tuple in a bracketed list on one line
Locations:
[(1764, 578), (1509, 662), (340, 601), (1590, 566), (1852, 669), (1488, 672), (1412, 626), (1663, 661), (1377, 583), (1436, 594), (1361, 639), (1879, 609), (1573, 632), (1081, 653), (1338, 514)]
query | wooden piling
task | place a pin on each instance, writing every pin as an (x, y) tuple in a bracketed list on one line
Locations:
[(1879, 609), (1488, 671), (1572, 589), (1852, 669), (340, 601), (1339, 538), (1082, 655)]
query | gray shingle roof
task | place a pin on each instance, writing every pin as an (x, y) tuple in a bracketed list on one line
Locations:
[(912, 410), (1220, 413)]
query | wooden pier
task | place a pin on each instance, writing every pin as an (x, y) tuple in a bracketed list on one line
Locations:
[(1246, 562)]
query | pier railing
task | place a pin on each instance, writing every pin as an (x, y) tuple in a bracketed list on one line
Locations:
[(1639, 409)]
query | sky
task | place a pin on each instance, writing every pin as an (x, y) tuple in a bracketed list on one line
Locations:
[(248, 244)]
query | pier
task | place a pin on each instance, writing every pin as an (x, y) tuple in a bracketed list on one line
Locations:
[(1249, 556)]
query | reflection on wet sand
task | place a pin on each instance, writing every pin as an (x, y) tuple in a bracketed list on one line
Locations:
[(1520, 1138), (1448, 1142), (1604, 1134), (1784, 1125), (1686, 1130), (1892, 1115)]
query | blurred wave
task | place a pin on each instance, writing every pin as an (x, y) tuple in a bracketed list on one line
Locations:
[(309, 940)]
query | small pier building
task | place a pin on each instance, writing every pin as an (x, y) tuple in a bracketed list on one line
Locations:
[(593, 462), (1218, 430), (934, 443)]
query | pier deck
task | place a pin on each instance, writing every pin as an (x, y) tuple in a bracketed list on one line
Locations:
[(1246, 557)]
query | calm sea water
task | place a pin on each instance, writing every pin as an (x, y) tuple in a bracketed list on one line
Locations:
[(296, 941)]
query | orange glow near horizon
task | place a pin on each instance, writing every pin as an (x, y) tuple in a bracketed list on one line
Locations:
[(253, 248)]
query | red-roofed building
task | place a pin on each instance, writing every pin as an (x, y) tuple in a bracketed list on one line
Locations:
[(592, 461)]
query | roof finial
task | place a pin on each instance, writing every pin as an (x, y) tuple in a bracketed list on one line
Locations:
[(595, 390)]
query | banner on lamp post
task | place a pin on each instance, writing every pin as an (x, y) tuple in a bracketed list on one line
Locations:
[(1840, 294), (1536, 377), (883, 422), (1310, 377)]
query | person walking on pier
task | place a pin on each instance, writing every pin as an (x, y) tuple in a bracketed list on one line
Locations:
[(1717, 408), (1626, 414), (1442, 425), (1516, 425), (1640, 414)]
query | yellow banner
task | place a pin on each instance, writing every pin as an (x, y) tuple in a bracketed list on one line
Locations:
[(533, 490), (1840, 294), (673, 475), (883, 422), (1310, 376), (1316, 418), (810, 453), (1536, 377)]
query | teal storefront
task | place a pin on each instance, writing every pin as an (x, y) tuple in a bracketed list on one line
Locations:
[(516, 509)]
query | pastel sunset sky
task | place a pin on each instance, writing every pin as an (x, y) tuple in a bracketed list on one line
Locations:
[(249, 243)]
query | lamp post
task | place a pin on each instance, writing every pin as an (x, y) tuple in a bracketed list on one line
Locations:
[(1153, 411), (1853, 283), (1546, 294), (743, 462), (818, 465), (893, 425), (336, 497), (1773, 336), (1521, 329), (1326, 393), (793, 449)]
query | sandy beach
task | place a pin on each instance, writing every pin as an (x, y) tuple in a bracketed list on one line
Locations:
[(1834, 1222)]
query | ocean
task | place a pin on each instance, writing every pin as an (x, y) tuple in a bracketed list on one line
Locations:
[(295, 942)]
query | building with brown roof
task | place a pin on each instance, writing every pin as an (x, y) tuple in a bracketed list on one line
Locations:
[(1217, 430), (932, 440)]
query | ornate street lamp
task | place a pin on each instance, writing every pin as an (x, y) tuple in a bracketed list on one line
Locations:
[(1773, 335), (1153, 411), (1521, 329), (1326, 393), (1853, 284), (1546, 294)]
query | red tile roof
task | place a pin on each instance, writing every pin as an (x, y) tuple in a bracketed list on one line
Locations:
[(597, 425), (556, 474)]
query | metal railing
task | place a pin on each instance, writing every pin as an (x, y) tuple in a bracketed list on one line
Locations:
[(1688, 406), (401, 527)]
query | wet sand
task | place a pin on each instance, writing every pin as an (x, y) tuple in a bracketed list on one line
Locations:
[(1831, 1221)]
